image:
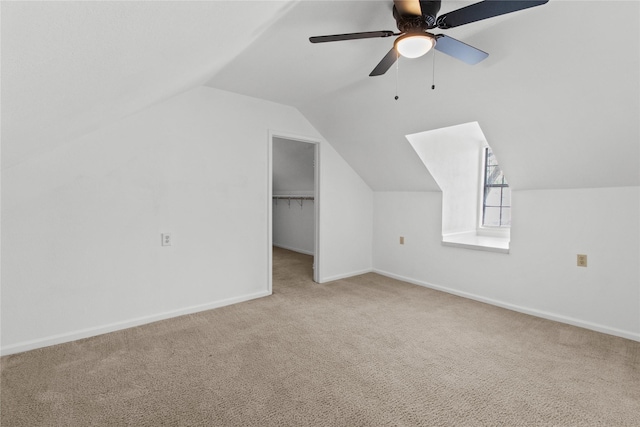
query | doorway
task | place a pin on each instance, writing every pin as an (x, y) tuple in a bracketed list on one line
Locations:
[(293, 193)]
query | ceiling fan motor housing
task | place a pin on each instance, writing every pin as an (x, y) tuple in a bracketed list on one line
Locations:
[(418, 23), (430, 10)]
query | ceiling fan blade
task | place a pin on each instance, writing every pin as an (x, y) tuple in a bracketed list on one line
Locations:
[(389, 59), (351, 36), (459, 50), (408, 7), (483, 10)]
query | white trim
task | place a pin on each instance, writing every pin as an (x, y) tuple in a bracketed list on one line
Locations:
[(316, 202), (531, 311), (116, 326), (289, 248), (475, 247), (317, 252), (499, 232), (269, 212), (472, 240), (345, 275)]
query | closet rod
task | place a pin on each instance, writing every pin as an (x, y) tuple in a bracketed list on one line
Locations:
[(300, 199), (294, 197)]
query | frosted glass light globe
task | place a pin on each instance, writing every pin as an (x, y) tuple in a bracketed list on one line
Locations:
[(414, 45)]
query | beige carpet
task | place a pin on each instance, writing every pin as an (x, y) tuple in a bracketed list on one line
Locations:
[(365, 351)]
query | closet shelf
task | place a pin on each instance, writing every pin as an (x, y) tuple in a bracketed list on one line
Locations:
[(293, 197)]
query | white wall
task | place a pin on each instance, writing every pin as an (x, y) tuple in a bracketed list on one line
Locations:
[(294, 225), (453, 156), (539, 275), (81, 224), (293, 169), (346, 212)]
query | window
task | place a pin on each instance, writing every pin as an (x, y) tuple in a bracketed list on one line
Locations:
[(476, 200), (496, 201)]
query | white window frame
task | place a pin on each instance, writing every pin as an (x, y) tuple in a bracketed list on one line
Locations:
[(487, 230)]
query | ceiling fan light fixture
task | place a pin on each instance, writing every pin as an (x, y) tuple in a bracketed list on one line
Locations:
[(414, 45)]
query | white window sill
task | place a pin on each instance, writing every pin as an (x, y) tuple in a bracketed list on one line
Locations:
[(473, 241)]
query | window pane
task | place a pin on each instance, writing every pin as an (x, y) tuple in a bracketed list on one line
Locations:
[(497, 195), (506, 216), (491, 217), (506, 196), (494, 176), (491, 159), (493, 196)]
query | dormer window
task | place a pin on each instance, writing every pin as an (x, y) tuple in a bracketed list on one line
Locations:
[(476, 199)]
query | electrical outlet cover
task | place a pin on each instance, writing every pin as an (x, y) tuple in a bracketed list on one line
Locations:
[(582, 260)]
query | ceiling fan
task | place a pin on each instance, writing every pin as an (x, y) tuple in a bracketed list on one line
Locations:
[(415, 17)]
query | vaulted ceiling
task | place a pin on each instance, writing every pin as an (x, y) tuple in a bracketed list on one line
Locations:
[(69, 68), (558, 98)]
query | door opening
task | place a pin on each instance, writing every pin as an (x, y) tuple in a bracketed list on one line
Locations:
[(293, 222)]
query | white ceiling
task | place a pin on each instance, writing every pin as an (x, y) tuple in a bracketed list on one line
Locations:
[(70, 67), (558, 97)]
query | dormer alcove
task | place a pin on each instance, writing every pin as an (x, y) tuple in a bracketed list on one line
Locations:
[(455, 156)]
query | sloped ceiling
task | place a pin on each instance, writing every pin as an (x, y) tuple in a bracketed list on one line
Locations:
[(558, 97), (70, 67)]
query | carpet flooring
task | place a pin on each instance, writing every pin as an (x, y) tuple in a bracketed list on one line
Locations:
[(363, 351)]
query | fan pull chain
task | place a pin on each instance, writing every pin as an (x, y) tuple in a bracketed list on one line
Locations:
[(397, 72), (433, 74)]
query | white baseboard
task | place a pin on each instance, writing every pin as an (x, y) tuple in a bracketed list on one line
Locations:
[(533, 312), (344, 276), (289, 248), (112, 327)]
